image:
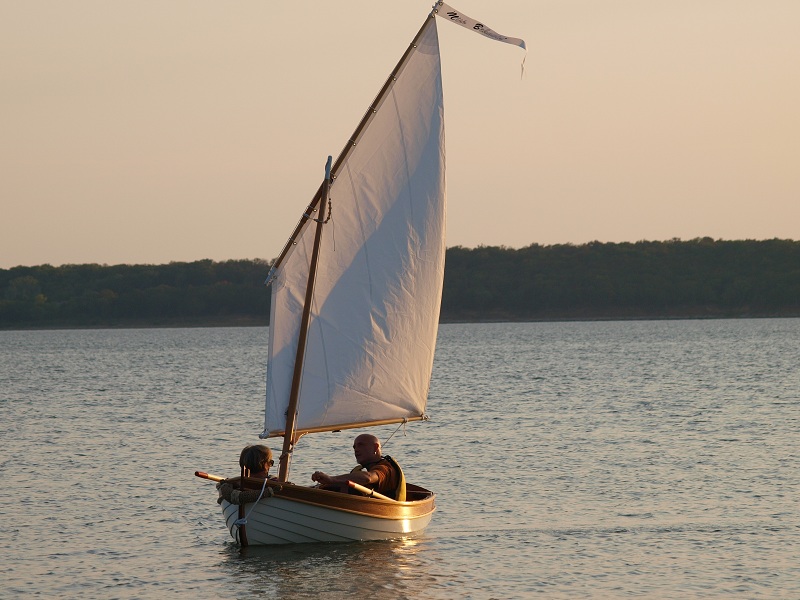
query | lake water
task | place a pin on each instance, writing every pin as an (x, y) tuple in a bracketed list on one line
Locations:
[(653, 459)]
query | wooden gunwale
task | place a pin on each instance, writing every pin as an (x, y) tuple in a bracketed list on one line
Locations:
[(360, 505)]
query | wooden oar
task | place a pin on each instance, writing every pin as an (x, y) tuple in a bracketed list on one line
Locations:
[(352, 484), (369, 492)]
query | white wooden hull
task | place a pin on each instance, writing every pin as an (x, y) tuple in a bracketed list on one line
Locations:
[(320, 516)]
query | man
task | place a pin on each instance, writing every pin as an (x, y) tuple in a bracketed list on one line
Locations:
[(379, 473)]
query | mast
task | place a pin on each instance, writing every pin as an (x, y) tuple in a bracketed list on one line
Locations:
[(291, 412)]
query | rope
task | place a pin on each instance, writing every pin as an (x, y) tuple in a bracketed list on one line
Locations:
[(325, 222), (243, 520), (403, 425)]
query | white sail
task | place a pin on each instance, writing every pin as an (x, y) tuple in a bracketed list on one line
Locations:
[(378, 289)]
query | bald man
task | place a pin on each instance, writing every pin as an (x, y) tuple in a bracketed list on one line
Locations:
[(379, 473)]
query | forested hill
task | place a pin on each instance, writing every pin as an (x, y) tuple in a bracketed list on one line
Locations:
[(697, 278)]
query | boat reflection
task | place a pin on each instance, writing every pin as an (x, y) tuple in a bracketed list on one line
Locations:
[(380, 568)]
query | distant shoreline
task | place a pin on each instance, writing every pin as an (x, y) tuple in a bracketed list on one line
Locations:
[(696, 279), (242, 322)]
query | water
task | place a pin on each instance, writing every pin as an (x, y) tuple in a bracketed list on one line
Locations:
[(571, 460)]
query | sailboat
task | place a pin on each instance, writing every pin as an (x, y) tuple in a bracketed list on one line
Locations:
[(354, 316)]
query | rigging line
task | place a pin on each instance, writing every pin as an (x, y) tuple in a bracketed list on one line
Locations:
[(313, 210), (333, 226), (243, 520), (403, 425)]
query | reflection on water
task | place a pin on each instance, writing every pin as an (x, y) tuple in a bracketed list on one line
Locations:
[(381, 569)]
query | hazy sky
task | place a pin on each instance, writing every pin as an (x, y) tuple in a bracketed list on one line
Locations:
[(176, 130)]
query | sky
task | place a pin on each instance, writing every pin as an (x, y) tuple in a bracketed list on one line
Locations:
[(179, 130)]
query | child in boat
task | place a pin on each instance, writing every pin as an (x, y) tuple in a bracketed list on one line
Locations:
[(255, 462)]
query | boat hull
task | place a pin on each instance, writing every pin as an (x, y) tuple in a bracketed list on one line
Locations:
[(296, 514)]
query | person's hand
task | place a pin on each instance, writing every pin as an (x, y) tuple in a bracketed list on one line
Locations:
[(225, 491), (321, 477)]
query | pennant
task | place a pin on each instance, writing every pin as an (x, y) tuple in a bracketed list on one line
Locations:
[(451, 14)]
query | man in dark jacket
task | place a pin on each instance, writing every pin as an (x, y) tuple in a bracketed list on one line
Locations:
[(379, 473)]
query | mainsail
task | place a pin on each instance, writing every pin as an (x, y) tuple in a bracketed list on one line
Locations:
[(375, 310)]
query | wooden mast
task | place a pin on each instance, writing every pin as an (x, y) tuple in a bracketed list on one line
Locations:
[(294, 394)]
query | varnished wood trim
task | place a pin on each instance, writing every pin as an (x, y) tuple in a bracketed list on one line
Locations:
[(360, 505)]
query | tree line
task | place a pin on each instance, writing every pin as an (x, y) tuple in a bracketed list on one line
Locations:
[(196, 293), (672, 279), (696, 278)]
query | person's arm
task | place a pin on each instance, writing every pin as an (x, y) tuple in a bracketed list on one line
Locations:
[(234, 496), (361, 477)]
